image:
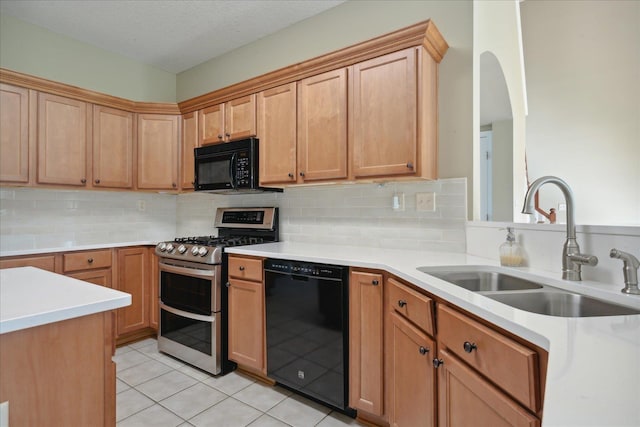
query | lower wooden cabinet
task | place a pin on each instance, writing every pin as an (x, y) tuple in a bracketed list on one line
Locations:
[(133, 276), (44, 262), (412, 377), (467, 399), (70, 361), (247, 324), (100, 277), (366, 341)]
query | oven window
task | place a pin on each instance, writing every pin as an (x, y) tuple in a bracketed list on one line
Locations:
[(212, 171), (188, 293), (191, 333)]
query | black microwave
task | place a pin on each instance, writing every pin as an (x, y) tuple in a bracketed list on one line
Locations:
[(229, 167)]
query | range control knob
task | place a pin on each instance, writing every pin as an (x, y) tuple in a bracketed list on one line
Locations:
[(170, 247), (203, 251), (162, 247), (182, 249), (194, 250)]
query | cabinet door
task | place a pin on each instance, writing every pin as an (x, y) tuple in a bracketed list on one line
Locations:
[(412, 378), (322, 126), (277, 134), (365, 342), (385, 115), (466, 399), (62, 140), (247, 324), (211, 122), (189, 143), (154, 290), (133, 278), (14, 134), (240, 118), (112, 147), (97, 277), (157, 152)]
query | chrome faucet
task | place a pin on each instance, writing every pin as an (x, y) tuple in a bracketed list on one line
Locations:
[(572, 259), (630, 271)]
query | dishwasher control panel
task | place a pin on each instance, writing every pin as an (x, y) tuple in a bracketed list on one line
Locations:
[(302, 268)]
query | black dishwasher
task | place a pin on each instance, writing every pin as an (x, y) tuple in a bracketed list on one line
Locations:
[(308, 329)]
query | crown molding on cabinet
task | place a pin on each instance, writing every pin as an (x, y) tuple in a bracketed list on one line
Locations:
[(43, 85), (421, 34)]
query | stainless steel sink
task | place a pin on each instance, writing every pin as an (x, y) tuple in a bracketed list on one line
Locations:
[(481, 280), (562, 304)]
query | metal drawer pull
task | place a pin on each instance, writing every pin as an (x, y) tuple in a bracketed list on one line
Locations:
[(401, 303), (469, 347), (241, 268), (90, 260), (375, 282), (423, 350), (437, 363)]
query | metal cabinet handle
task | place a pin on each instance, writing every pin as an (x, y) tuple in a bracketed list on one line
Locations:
[(174, 185), (302, 174), (291, 175), (83, 180), (401, 303), (469, 347), (219, 136), (90, 260), (409, 165), (375, 282), (423, 350), (437, 363), (97, 181), (228, 284), (227, 134), (241, 268)]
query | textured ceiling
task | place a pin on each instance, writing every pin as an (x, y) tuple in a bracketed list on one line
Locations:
[(168, 34)]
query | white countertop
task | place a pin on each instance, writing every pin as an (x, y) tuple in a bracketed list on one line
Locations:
[(75, 248), (31, 297), (593, 375)]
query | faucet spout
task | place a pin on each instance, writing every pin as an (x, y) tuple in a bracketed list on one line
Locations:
[(572, 259)]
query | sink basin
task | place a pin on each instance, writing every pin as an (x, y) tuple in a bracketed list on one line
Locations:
[(562, 304), (481, 280)]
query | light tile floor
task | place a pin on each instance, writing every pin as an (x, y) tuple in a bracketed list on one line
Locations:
[(154, 389)]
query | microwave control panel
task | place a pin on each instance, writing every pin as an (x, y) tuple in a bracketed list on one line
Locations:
[(243, 170)]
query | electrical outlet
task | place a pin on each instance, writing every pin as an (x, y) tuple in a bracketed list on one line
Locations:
[(142, 205), (426, 202)]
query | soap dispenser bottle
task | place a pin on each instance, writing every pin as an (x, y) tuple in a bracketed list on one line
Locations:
[(510, 251)]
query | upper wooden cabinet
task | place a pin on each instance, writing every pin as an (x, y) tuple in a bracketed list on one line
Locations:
[(229, 121), (277, 134), (63, 131), (385, 115), (322, 126), (113, 148), (158, 152), (14, 134), (189, 143)]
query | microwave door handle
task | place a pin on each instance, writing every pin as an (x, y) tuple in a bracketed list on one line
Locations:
[(232, 170)]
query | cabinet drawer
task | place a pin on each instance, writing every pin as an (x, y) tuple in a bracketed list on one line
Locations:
[(45, 262), (86, 260), (245, 268), (508, 364), (412, 305)]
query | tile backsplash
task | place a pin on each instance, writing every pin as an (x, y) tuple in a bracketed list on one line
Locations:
[(41, 218), (359, 214)]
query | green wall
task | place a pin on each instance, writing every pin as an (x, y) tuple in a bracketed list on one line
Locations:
[(39, 52)]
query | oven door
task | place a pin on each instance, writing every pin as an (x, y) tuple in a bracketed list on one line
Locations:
[(190, 287), (215, 171), (193, 338)]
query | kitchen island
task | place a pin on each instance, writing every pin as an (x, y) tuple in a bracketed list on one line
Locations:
[(56, 344), (593, 374)]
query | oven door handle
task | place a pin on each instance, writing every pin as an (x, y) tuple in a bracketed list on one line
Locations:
[(187, 271), (186, 314), (233, 167)]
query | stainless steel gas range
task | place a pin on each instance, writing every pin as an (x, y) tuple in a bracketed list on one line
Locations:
[(193, 300)]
